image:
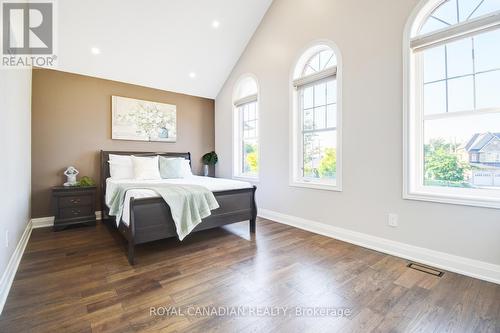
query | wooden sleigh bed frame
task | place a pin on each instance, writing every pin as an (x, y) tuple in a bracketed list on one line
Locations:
[(151, 219)]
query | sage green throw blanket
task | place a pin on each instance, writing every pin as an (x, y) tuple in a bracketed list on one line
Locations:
[(188, 203)]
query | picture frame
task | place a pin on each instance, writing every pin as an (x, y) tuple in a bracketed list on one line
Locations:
[(141, 120)]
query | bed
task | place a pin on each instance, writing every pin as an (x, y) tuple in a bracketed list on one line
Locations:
[(146, 217)]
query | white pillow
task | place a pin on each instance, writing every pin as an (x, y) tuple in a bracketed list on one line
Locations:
[(120, 171), (146, 168), (186, 169), (120, 167), (121, 158)]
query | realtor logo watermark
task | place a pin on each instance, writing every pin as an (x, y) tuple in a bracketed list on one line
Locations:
[(249, 311), (28, 34)]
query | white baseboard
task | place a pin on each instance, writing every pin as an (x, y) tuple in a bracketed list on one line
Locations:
[(461, 265), (44, 222), (11, 269)]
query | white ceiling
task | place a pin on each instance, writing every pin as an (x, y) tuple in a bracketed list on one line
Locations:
[(157, 43)]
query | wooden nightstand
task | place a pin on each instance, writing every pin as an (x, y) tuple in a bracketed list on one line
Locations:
[(73, 205)]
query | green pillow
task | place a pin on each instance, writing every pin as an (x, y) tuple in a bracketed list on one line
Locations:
[(171, 167)]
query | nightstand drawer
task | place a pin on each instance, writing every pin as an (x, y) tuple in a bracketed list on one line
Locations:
[(82, 200), (74, 212)]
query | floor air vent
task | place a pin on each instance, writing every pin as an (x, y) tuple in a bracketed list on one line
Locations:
[(425, 269)]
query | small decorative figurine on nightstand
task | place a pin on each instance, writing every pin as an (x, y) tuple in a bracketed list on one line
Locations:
[(71, 173)]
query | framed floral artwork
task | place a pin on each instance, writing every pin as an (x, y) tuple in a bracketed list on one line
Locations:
[(139, 120)]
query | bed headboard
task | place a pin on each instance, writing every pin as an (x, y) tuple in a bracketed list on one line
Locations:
[(105, 169)]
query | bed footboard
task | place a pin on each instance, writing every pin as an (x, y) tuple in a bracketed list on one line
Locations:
[(151, 219)]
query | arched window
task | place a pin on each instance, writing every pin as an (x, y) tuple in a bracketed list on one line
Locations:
[(316, 121), (246, 128), (452, 102)]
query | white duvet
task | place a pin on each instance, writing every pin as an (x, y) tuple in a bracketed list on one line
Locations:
[(213, 184)]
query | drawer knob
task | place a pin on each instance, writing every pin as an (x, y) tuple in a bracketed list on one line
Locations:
[(76, 211), (75, 201)]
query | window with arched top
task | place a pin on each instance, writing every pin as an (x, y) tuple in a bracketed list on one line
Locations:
[(319, 61), (452, 102), (316, 121), (246, 128)]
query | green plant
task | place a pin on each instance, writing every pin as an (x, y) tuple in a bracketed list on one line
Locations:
[(328, 164), (251, 158), (210, 158), (86, 181), (442, 163)]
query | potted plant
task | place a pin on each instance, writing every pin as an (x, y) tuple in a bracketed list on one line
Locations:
[(209, 159), (86, 181)]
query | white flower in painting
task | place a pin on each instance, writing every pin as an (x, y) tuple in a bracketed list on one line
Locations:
[(148, 118)]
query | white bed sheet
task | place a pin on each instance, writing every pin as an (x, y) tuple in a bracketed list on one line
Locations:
[(213, 184)]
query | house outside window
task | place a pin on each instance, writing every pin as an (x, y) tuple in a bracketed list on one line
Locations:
[(452, 118), (316, 119), (246, 129)]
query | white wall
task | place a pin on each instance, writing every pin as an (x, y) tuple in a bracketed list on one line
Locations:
[(369, 34), (15, 155)]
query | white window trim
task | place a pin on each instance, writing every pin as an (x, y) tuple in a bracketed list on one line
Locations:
[(461, 30), (236, 163), (413, 188), (294, 179), (246, 100), (315, 77)]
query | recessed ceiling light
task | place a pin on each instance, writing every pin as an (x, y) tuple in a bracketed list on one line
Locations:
[(192, 75), (95, 50), (215, 24)]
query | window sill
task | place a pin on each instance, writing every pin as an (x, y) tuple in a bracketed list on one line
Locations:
[(316, 186), (247, 179), (474, 201)]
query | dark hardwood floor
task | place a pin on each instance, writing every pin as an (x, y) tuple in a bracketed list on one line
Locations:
[(78, 280)]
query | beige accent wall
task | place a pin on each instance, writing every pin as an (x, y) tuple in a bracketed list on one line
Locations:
[(71, 123)]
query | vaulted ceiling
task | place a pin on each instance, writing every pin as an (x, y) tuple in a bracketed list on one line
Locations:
[(186, 46)]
